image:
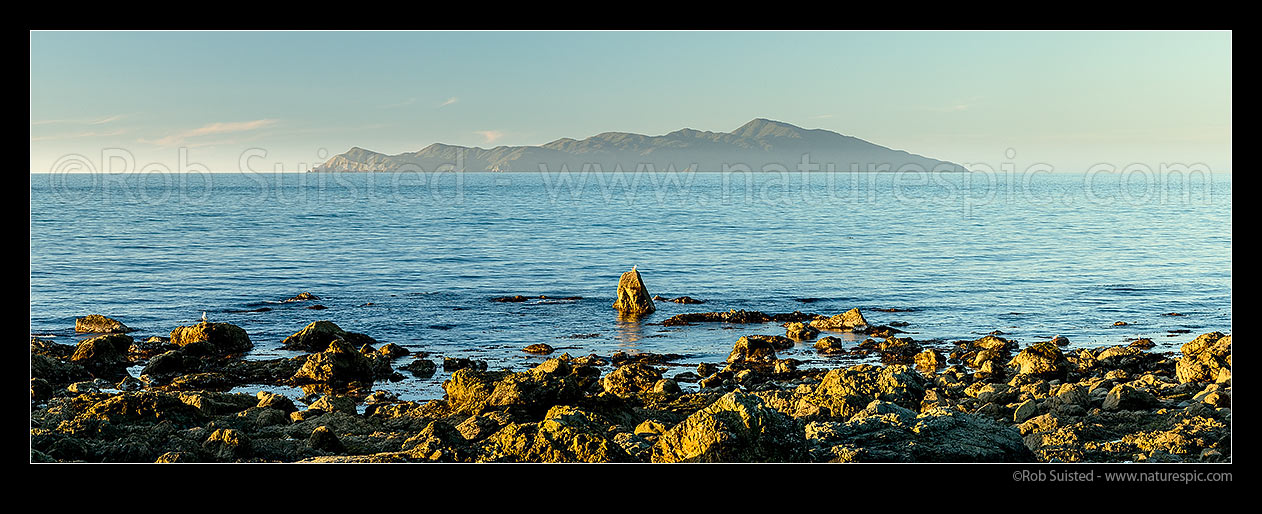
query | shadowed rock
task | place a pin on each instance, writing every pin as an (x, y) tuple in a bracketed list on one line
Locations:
[(634, 299)]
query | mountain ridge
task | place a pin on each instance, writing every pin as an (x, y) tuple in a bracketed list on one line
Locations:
[(759, 145)]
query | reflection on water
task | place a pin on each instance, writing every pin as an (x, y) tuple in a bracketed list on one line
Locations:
[(630, 331)]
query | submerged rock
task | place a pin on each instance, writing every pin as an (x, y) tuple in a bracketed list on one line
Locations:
[(633, 298), (302, 297), (679, 299), (98, 324)]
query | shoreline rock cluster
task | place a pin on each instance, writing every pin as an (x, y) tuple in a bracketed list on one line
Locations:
[(985, 400)]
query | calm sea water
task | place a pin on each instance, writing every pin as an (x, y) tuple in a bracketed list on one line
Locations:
[(414, 259)]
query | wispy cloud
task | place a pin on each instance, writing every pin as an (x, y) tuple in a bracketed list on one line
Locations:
[(79, 135), (210, 129), (82, 121), (490, 136), (449, 101)]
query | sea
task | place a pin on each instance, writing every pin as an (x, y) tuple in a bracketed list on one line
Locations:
[(416, 258)]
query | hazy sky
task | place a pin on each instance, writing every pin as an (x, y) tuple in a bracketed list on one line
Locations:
[(1069, 99)]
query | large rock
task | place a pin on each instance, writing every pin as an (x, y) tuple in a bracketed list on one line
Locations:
[(98, 324), (566, 434), (554, 382), (217, 338), (630, 379), (756, 348), (846, 321), (634, 299), (1126, 397), (844, 392), (738, 427), (339, 366), (1043, 360), (104, 356), (316, 336), (1205, 358)]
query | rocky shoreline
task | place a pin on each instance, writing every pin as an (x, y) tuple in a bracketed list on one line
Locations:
[(985, 400)]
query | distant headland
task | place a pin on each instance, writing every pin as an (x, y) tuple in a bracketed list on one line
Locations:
[(760, 145)]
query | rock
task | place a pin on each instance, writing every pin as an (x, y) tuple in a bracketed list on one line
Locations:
[(129, 383), (228, 444), (1043, 360), (937, 436), (680, 299), (843, 392), (56, 371), (554, 382), (217, 338), (1204, 358), (929, 360), (98, 324), (174, 457), (145, 408), (41, 390), (167, 365), (898, 350), (756, 349), (323, 439), (666, 386), (738, 427), (538, 348), (1060, 340), (1125, 397), (302, 297), (634, 299), (451, 364), (316, 336), (393, 351), (478, 427), (799, 331), (830, 344), (736, 316), (339, 366), (631, 379), (212, 381), (1142, 343), (104, 356), (335, 403), (1025, 411), (275, 401), (421, 368), (846, 321), (566, 434)]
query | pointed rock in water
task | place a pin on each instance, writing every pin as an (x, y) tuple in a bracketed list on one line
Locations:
[(633, 298)]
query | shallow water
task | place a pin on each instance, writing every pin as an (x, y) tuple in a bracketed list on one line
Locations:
[(414, 258)]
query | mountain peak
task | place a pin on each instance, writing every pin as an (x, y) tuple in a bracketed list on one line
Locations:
[(763, 127)]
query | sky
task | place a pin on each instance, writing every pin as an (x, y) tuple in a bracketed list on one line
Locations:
[(287, 100)]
